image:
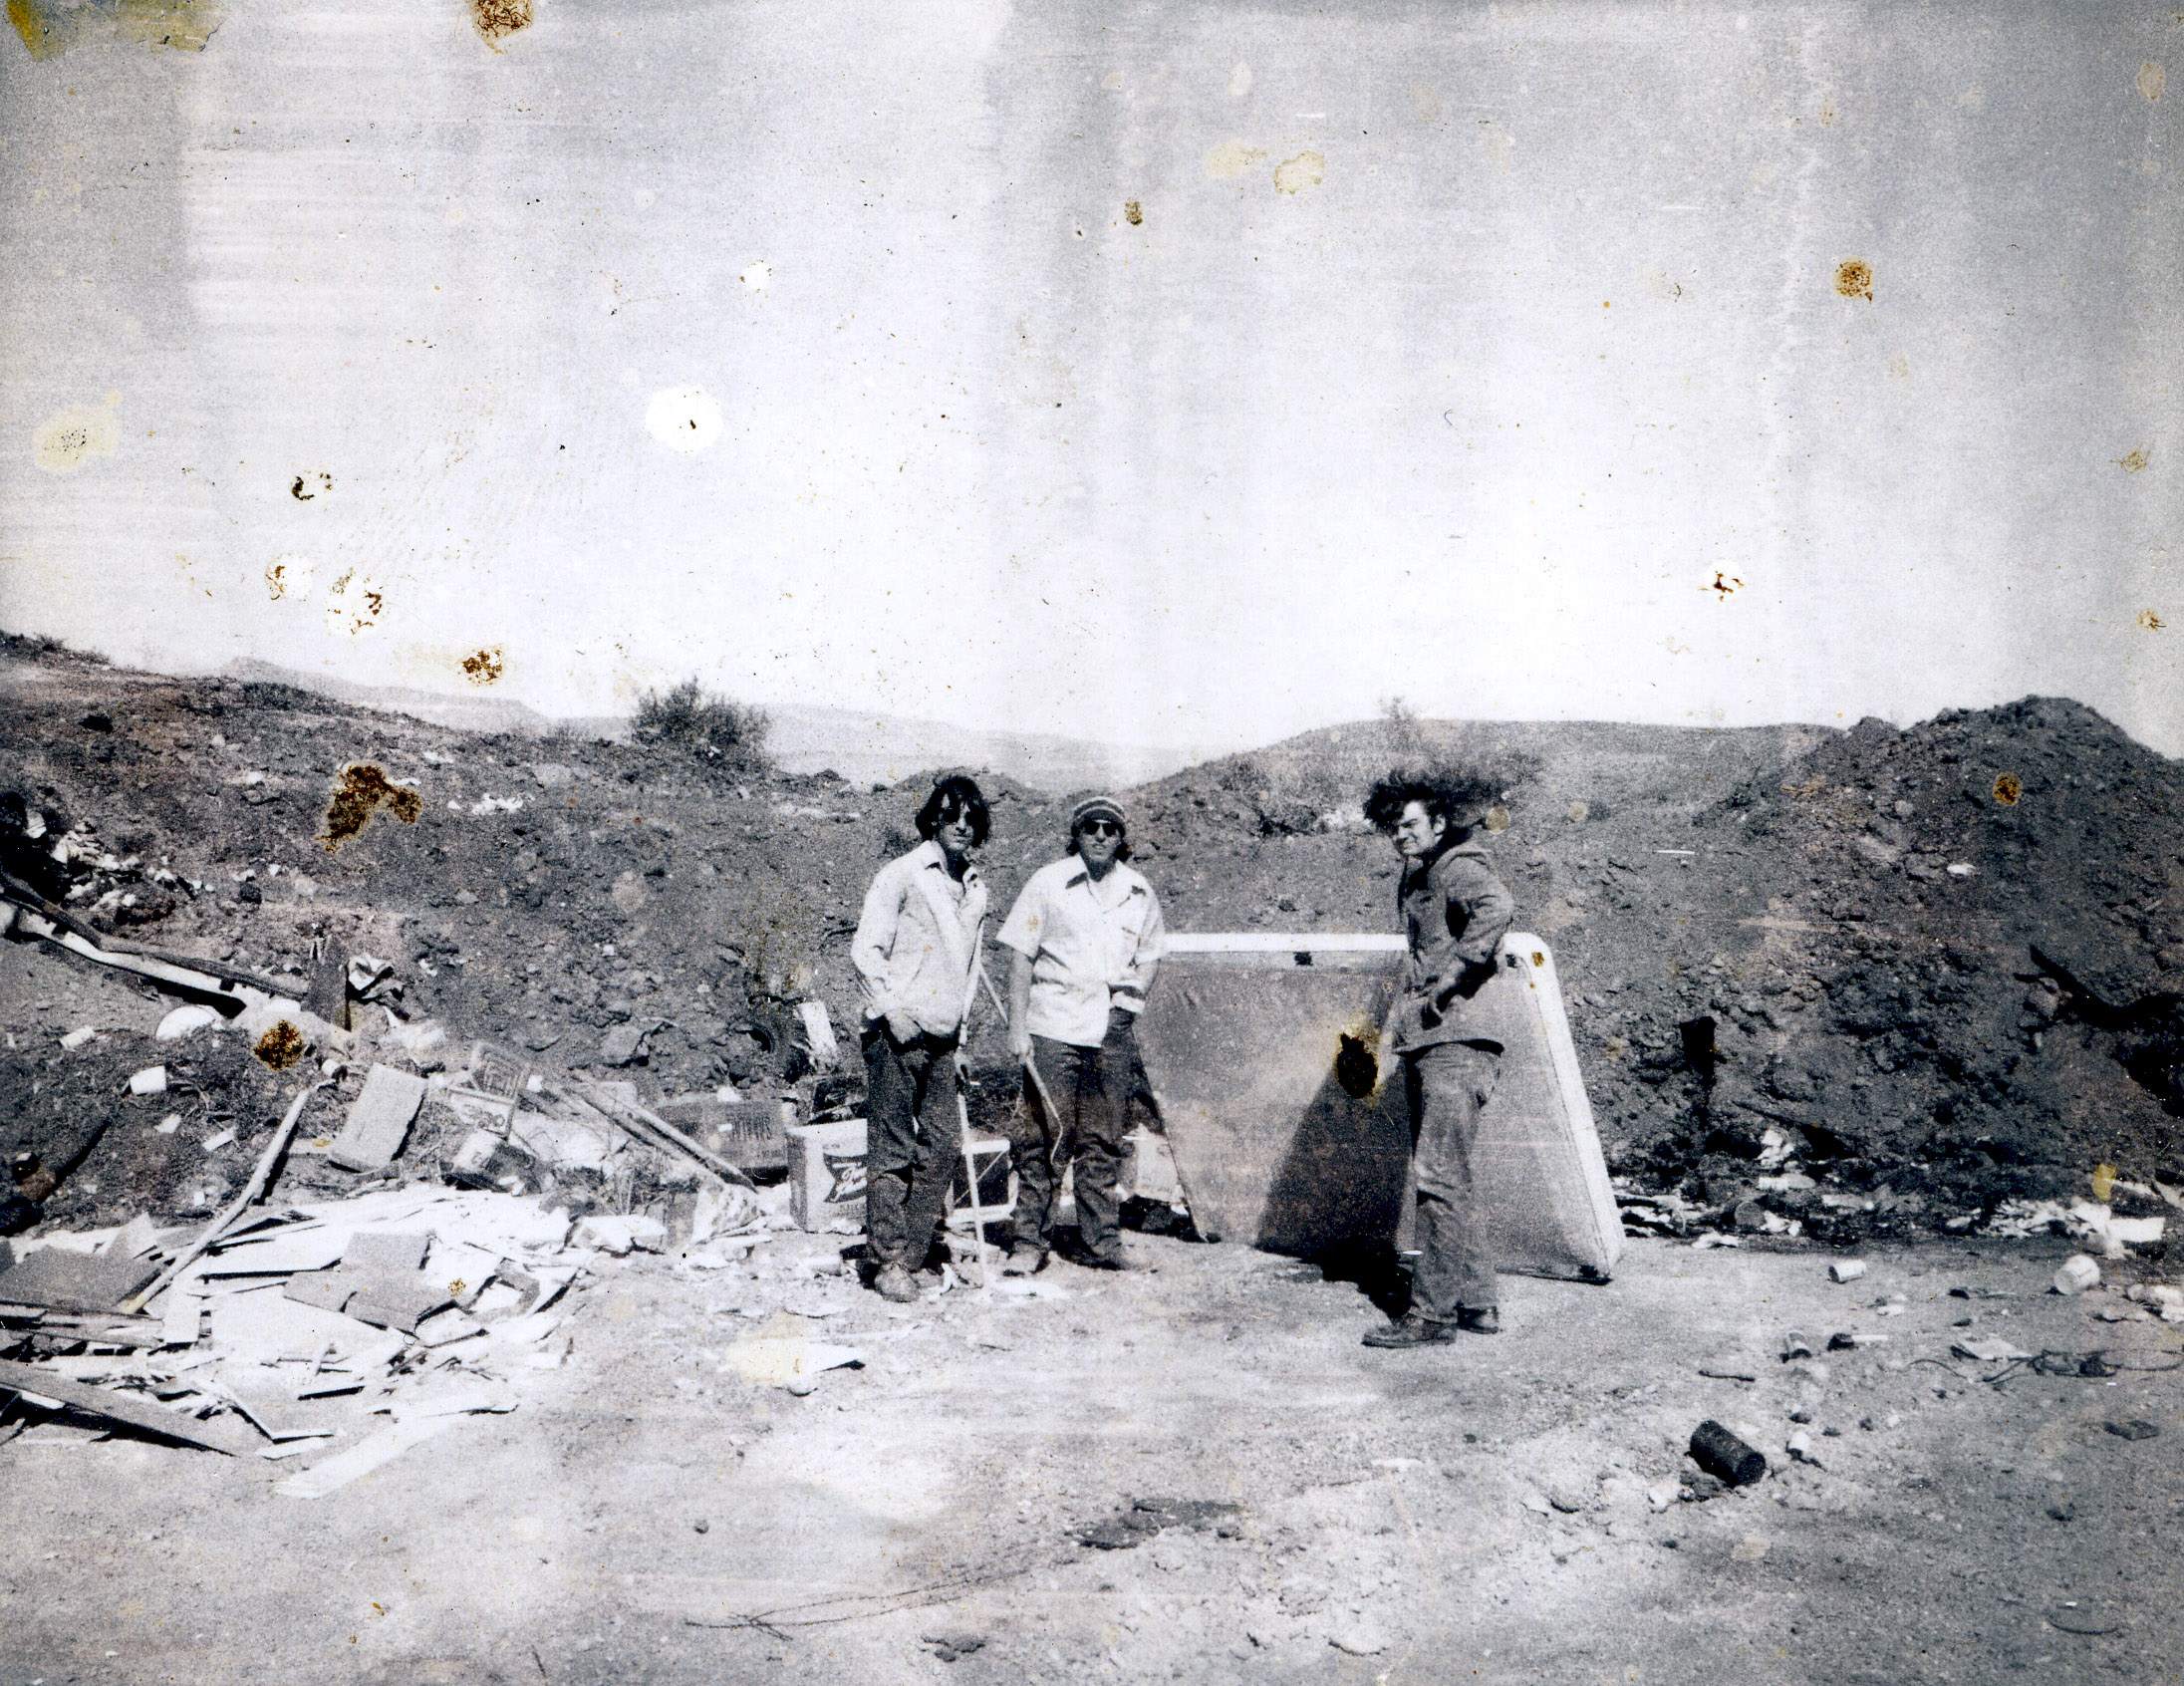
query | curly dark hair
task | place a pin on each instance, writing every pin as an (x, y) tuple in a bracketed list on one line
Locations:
[(1453, 795), (953, 797)]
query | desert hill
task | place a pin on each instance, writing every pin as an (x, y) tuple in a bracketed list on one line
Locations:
[(1875, 1007)]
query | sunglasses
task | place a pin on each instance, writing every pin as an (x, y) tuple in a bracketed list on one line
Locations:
[(1100, 828)]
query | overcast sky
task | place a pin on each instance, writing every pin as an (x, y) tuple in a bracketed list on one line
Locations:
[(1190, 374)]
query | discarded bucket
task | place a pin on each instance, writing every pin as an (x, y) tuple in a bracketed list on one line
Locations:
[(1720, 1453)]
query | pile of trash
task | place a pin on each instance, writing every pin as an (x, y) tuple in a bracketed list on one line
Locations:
[(286, 1321)]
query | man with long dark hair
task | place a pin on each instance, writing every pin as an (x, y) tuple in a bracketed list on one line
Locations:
[(1455, 911), (916, 953), (1086, 933)]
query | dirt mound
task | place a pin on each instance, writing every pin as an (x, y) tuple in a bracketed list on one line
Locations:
[(1875, 998), (1855, 912)]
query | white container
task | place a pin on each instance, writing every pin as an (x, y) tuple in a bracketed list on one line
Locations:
[(2078, 1273)]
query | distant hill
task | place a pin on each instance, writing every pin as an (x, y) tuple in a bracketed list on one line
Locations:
[(459, 714), (882, 748), (1667, 773), (864, 748)]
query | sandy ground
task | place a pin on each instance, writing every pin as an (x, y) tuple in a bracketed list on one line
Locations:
[(629, 1521)]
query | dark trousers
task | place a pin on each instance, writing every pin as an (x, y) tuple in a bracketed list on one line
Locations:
[(1445, 1087), (911, 1144), (1091, 1089)]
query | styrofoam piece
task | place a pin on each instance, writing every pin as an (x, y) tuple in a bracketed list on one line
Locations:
[(149, 1082), (184, 1020)]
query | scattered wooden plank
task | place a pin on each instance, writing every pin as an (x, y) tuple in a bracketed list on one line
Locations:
[(276, 1412), (638, 1121), (379, 1122), (182, 1312), (105, 947), (104, 1329), (279, 1255), (369, 1454), (253, 1191), (74, 1281), (114, 1407), (386, 1249)]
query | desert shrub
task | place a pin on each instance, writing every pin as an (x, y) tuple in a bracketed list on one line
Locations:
[(1405, 736), (704, 722)]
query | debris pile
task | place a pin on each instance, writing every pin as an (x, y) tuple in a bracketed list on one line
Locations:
[(1821, 984)]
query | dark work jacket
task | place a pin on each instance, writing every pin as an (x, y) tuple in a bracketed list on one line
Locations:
[(1454, 911)]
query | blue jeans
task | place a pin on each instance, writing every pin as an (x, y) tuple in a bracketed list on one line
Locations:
[(1091, 1089), (912, 1142), (1447, 1085)]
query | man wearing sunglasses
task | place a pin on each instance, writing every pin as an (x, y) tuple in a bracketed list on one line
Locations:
[(915, 951), (1086, 934)]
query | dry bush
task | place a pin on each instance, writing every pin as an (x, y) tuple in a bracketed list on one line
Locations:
[(704, 722)]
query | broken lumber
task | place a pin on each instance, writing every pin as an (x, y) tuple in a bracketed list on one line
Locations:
[(30, 902), (379, 1120), (176, 977), (251, 1191), (105, 1328), (637, 1120), (116, 1407), (74, 1281)]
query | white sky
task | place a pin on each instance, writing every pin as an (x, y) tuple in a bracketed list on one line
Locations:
[(1544, 336)]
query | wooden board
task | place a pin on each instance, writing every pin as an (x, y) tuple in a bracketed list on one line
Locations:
[(379, 1120), (119, 1408), (74, 1281), (1241, 1046)]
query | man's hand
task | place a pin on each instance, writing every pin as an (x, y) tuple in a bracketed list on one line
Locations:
[(1019, 1039), (901, 1026)]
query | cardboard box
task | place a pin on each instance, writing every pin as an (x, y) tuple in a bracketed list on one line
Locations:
[(826, 1174)]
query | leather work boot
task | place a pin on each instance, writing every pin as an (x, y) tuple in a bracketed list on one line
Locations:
[(1412, 1330), (1024, 1260), (896, 1283), (1479, 1319), (1112, 1261)]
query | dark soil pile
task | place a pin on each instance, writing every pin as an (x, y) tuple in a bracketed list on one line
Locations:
[(54, 1104), (1876, 1000), (1877, 1011)]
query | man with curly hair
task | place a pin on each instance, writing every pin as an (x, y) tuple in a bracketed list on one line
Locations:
[(1454, 911)]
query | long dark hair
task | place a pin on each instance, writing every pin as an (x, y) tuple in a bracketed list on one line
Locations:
[(953, 797)]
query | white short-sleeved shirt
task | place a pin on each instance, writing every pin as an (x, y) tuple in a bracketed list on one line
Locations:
[(1092, 947)]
